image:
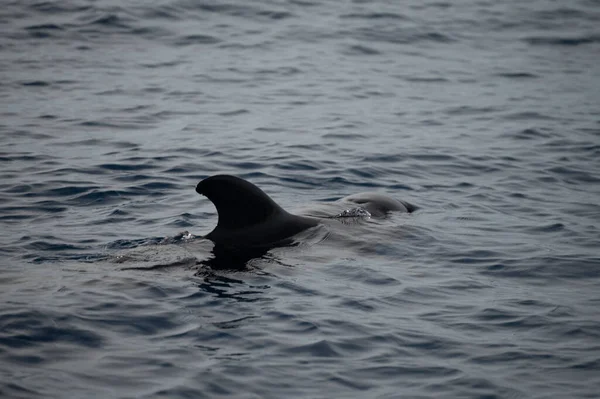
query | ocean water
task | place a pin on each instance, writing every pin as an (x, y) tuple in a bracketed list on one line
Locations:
[(484, 114)]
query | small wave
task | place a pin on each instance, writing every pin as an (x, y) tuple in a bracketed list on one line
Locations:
[(545, 268), (561, 41), (196, 39), (49, 206), (32, 329), (60, 8), (424, 79), (66, 191), (374, 15), (236, 112), (344, 136), (304, 165), (102, 196), (548, 228), (111, 20), (157, 186), (574, 175), (398, 36), (118, 123), (125, 167), (529, 134), (471, 110), (528, 115), (44, 27), (53, 247), (518, 75), (358, 49), (38, 83), (243, 11)]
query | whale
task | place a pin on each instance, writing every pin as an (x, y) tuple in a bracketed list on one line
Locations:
[(249, 219)]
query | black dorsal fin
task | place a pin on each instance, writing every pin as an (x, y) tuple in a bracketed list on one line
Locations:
[(248, 218), (239, 203)]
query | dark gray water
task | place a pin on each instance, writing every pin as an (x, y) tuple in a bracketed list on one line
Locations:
[(482, 113)]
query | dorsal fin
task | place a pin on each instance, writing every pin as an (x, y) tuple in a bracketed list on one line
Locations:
[(248, 218), (239, 203)]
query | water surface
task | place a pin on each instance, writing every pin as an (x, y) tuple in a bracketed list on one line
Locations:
[(484, 114)]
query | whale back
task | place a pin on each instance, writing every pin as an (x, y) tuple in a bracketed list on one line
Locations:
[(379, 205), (240, 204)]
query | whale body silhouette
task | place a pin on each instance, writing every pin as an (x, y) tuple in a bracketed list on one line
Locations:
[(248, 217)]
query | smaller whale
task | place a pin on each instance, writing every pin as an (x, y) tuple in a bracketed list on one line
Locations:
[(249, 218)]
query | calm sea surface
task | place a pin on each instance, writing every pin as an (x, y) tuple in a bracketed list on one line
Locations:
[(485, 114)]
